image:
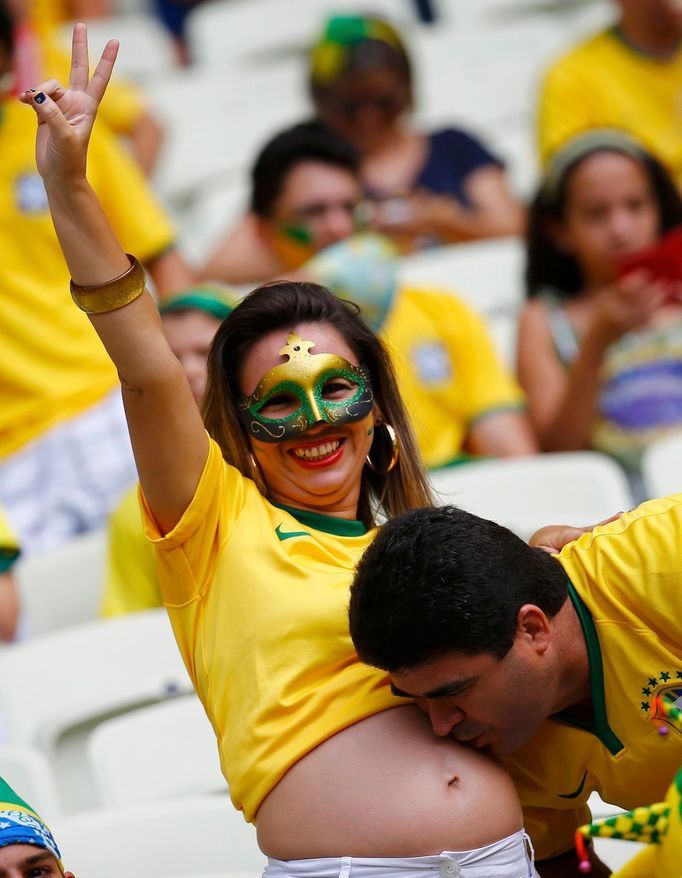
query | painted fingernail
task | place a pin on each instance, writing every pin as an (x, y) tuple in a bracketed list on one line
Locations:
[(39, 98), (32, 90)]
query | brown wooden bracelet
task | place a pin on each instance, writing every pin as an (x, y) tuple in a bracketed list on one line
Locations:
[(112, 295)]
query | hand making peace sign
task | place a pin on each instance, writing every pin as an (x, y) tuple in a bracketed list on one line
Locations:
[(66, 116)]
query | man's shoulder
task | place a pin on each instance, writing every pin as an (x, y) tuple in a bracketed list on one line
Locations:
[(638, 553)]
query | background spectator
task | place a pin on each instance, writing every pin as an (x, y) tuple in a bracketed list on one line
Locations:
[(54, 411), (9, 599), (628, 76), (439, 187), (600, 356)]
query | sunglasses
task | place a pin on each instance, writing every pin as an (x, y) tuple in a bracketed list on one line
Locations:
[(389, 105)]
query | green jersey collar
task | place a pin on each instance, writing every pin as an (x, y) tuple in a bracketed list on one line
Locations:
[(600, 726), (329, 524)]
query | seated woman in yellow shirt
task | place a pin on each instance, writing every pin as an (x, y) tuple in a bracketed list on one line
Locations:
[(258, 526)]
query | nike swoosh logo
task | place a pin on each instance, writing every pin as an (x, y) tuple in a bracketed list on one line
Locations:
[(288, 535), (577, 792)]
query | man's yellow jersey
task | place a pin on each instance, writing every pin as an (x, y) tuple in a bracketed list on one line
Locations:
[(626, 586)]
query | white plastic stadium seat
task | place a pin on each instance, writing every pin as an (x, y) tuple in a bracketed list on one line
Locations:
[(146, 46), (228, 31), (86, 672), (63, 587), (180, 836), (28, 772), (662, 466), (486, 274), (525, 493), (155, 752)]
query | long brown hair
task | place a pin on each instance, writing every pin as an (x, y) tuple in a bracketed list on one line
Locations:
[(285, 305)]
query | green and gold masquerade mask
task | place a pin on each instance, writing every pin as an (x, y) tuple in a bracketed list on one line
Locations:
[(302, 380)]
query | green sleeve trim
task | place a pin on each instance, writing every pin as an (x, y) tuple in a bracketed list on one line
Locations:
[(519, 406)]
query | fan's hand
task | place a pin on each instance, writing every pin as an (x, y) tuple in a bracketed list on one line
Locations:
[(66, 115)]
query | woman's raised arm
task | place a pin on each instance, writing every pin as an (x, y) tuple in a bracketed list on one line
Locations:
[(166, 430)]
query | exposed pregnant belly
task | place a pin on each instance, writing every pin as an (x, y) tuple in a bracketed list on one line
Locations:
[(388, 787)]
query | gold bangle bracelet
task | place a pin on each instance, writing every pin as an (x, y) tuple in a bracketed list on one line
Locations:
[(112, 295)]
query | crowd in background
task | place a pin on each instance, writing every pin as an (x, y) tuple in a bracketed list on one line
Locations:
[(338, 198)]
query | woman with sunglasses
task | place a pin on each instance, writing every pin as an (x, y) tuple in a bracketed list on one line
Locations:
[(258, 522), (440, 187)]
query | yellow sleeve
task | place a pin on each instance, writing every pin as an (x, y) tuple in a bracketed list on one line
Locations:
[(562, 108), (132, 582), (551, 830), (490, 387), (187, 556), (9, 547), (136, 216)]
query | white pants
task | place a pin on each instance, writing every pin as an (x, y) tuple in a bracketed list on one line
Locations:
[(68, 480), (511, 857)]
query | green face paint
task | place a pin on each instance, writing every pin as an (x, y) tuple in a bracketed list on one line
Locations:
[(298, 387)]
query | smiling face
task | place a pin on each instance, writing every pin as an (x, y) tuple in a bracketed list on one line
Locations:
[(29, 861), (319, 469), (610, 211)]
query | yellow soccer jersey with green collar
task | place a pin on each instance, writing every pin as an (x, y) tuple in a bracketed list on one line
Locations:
[(626, 586), (449, 373), (258, 598)]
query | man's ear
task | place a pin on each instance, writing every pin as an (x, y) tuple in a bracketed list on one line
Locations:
[(534, 628)]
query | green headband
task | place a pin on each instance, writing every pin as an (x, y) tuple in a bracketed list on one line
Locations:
[(218, 301), (579, 148), (341, 32)]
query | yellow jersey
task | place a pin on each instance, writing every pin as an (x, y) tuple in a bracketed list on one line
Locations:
[(131, 582), (449, 374), (258, 598), (626, 586), (52, 365), (607, 83), (9, 548)]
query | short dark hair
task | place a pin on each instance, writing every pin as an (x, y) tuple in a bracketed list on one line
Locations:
[(442, 580), (550, 267), (306, 142)]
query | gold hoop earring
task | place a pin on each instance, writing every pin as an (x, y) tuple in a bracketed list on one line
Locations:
[(395, 451)]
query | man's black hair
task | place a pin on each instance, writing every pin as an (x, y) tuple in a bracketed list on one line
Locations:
[(441, 580), (308, 141)]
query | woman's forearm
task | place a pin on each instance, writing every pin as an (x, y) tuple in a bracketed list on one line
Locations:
[(90, 247), (570, 426)]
